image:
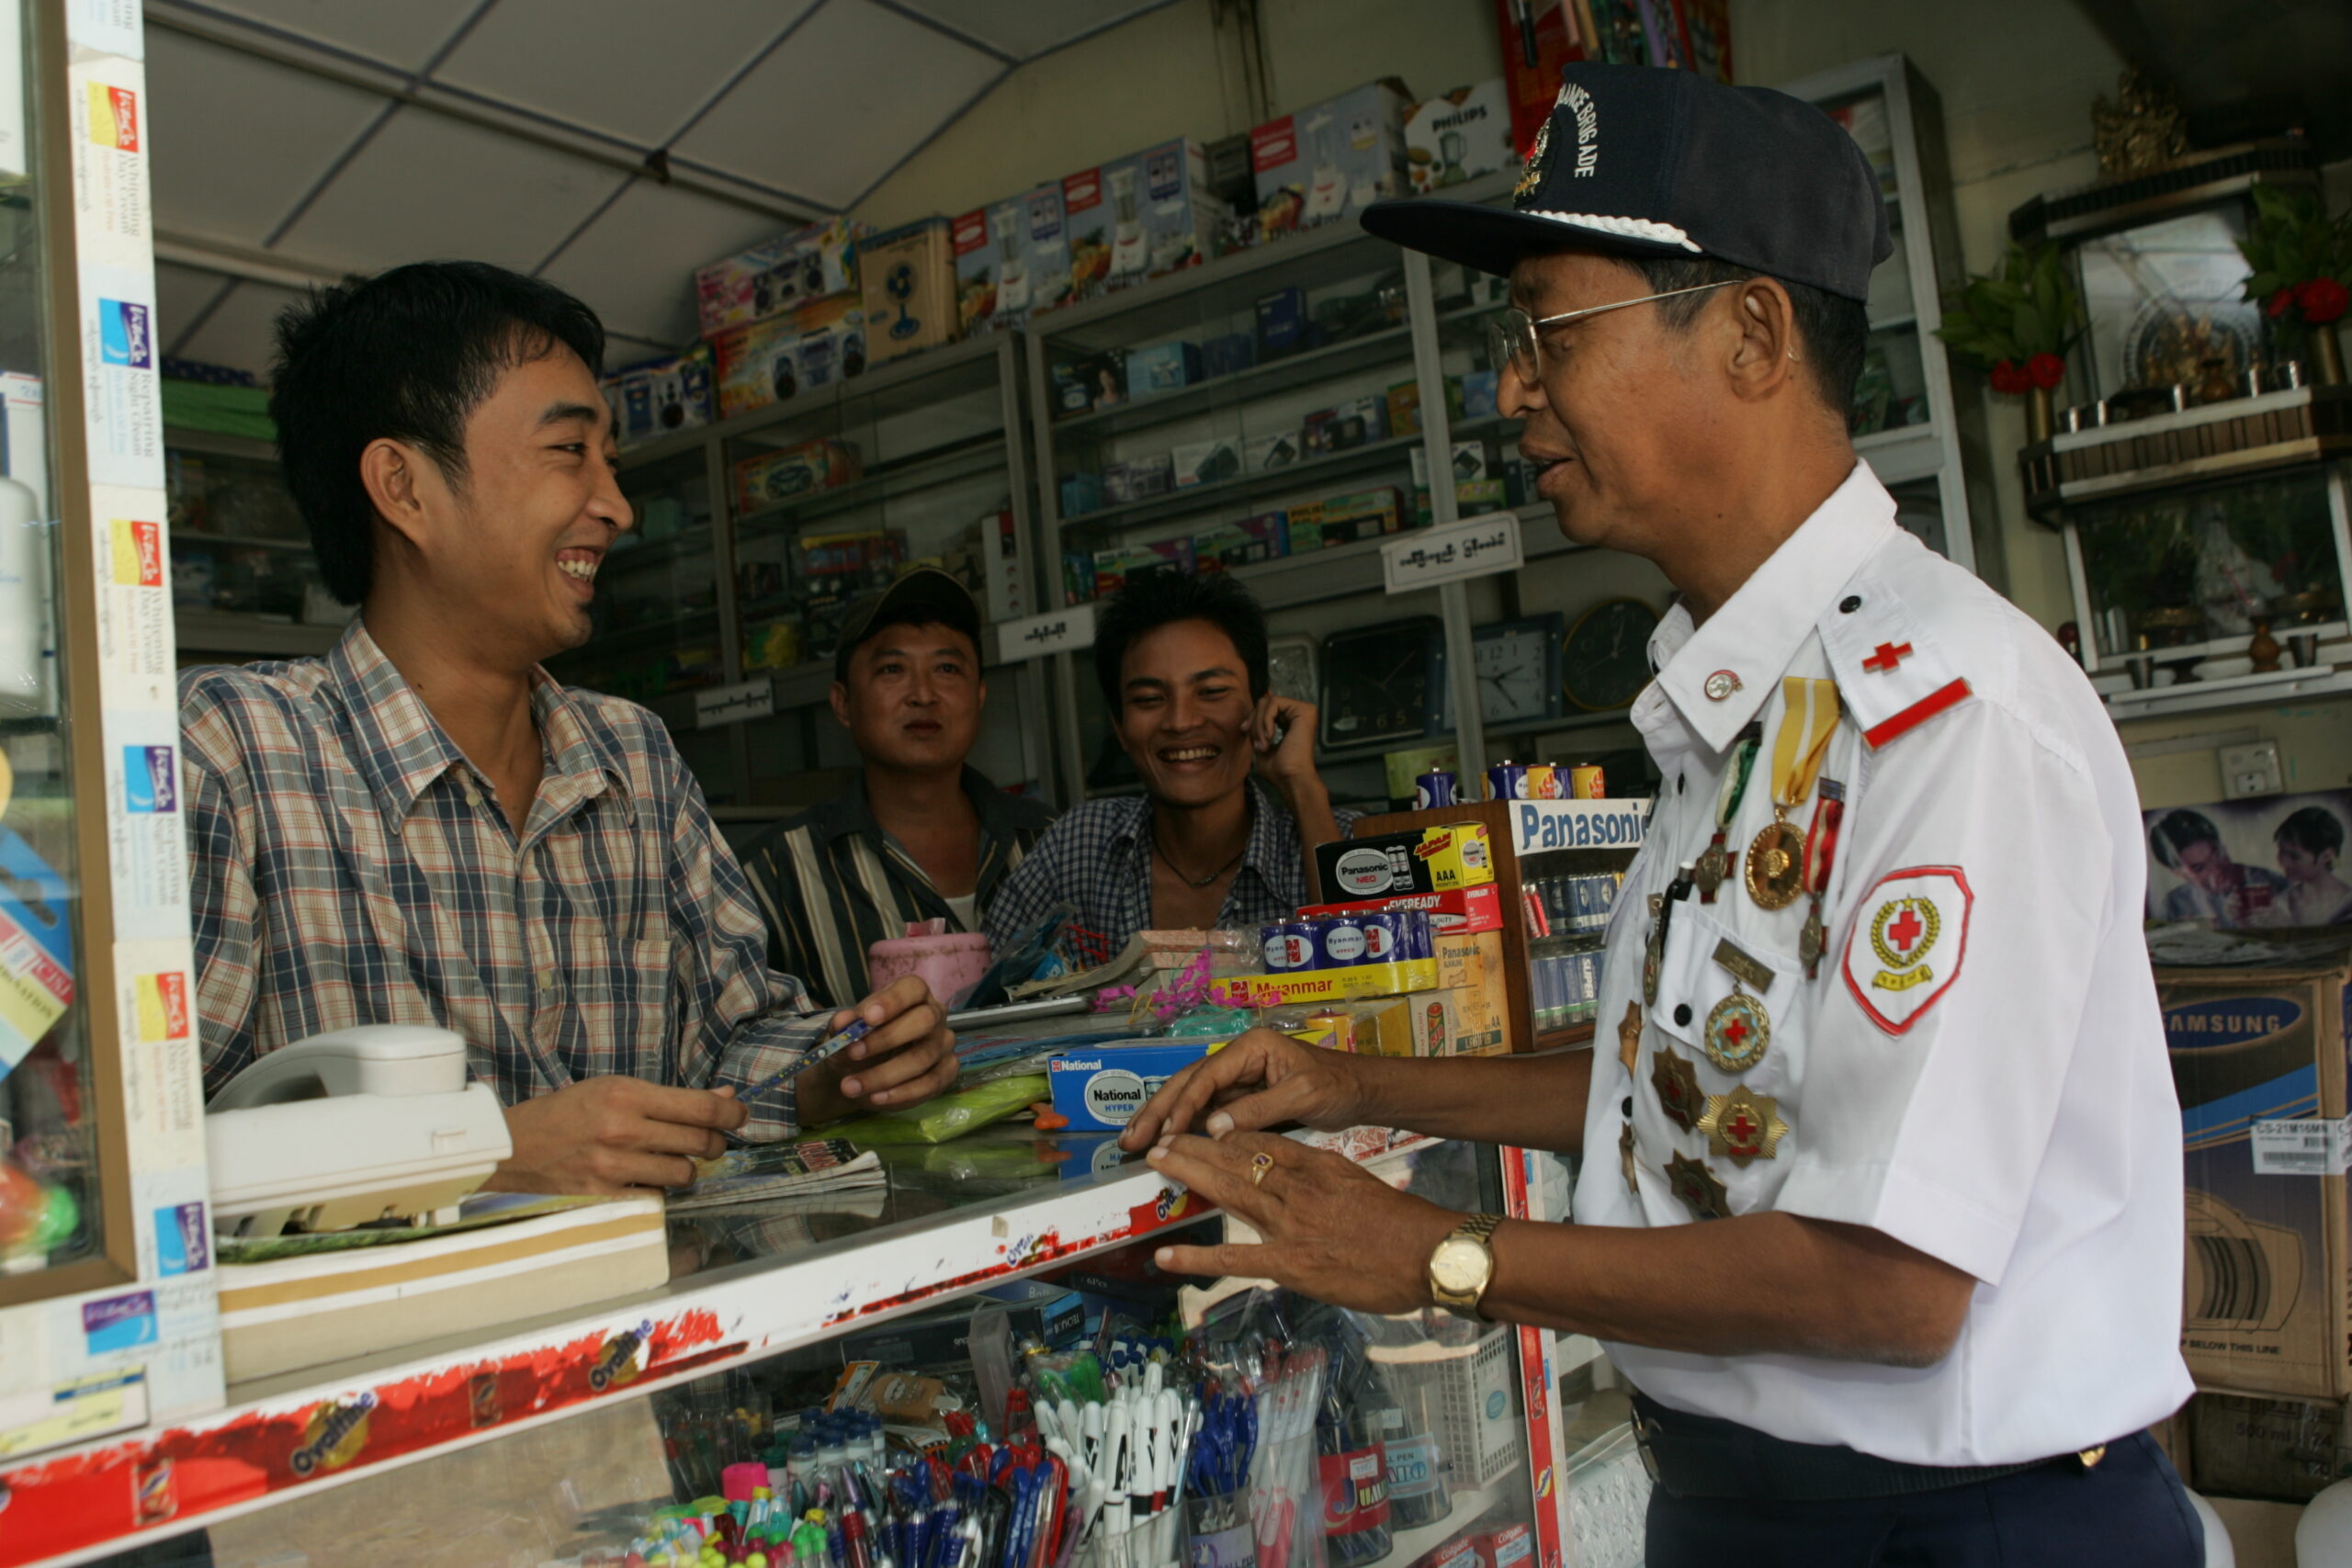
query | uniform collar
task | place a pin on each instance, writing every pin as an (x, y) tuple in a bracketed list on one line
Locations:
[(1756, 635), (402, 749)]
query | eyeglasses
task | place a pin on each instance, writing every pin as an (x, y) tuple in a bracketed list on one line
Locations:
[(1510, 336)]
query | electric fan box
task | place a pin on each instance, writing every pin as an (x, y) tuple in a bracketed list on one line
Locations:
[(2265, 1305), (907, 275)]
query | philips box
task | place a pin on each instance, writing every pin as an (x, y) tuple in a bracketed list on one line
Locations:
[(1101, 1089), (1458, 135), (769, 279), (2264, 1308), (909, 289), (1327, 164)]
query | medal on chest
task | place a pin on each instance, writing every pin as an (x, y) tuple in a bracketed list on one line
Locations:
[(1629, 1037), (1702, 1191), (1625, 1159), (1715, 862), (1775, 869), (1820, 859), (1741, 1126), (1738, 1030), (1677, 1083)]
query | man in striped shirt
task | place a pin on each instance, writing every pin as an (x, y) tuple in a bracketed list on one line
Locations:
[(919, 834), (424, 827)]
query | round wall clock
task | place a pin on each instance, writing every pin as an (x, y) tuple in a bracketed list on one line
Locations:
[(1605, 660)]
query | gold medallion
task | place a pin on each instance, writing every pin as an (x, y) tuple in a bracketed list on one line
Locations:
[(1702, 1191), (1775, 865), (1813, 940), (1654, 951), (1677, 1083), (1713, 868), (1629, 1036), (1738, 1034), (1626, 1158), (1741, 1126)]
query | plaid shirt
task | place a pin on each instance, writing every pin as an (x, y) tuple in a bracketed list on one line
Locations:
[(349, 867), (832, 883), (1097, 859)]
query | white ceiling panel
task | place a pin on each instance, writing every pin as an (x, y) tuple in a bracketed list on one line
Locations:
[(1032, 26), (836, 108), (239, 141), (427, 187), (635, 264), (403, 33), (182, 293), (241, 333), (626, 67)]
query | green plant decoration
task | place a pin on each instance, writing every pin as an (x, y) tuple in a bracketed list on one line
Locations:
[(2019, 323), (2301, 259)]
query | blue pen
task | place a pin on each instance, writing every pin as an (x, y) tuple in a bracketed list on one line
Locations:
[(824, 1052)]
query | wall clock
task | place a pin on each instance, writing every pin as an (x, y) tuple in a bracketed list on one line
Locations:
[(1605, 662), (1518, 666), (1383, 683)]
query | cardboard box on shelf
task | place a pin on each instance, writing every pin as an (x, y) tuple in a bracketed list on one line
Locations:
[(1114, 569), (909, 289), (1329, 162), (1261, 453), (659, 397), (772, 278), (767, 477), (1340, 985), (1229, 353), (1458, 135), (1205, 463), (1045, 247), (1085, 385), (2248, 1446), (768, 361), (1145, 215), (1162, 368), (1344, 519), (1284, 325), (1359, 421), (2265, 1307), (1245, 543), (986, 246), (1467, 926), (1421, 1023)]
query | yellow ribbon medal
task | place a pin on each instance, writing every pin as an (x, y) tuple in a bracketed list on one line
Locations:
[(1775, 869)]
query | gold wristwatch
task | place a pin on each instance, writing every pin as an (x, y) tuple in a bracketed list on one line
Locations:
[(1463, 1265)]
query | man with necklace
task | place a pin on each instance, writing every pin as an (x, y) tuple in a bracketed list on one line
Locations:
[(1183, 665)]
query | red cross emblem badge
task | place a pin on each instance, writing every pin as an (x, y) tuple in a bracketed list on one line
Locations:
[(1905, 946)]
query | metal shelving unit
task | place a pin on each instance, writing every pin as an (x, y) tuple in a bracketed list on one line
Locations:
[(238, 477)]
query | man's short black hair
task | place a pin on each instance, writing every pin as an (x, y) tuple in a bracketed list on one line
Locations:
[(2315, 830), (1161, 598), (2175, 831), (407, 355), (1834, 332)]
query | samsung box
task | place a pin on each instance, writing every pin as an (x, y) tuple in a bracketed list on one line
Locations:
[(1327, 163), (769, 279), (1458, 135), (907, 276), (2264, 1307)]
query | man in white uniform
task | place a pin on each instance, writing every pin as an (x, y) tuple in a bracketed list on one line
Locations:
[(1875, 1004)]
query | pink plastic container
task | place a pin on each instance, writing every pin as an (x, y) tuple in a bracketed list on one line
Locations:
[(952, 963)]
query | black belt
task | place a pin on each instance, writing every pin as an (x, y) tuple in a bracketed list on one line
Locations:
[(1700, 1456)]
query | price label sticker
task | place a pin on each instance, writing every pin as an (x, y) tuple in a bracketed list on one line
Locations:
[(734, 704), (1057, 631), (1484, 547), (2306, 1147)]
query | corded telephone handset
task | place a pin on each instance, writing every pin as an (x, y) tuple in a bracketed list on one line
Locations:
[(348, 1127)]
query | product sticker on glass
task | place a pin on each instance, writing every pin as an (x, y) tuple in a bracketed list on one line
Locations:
[(35, 949), (113, 221), (123, 417), (134, 619), (148, 850)]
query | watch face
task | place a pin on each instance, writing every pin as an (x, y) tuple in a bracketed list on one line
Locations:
[(1381, 683), (1606, 660), (1459, 1266), (1516, 664)]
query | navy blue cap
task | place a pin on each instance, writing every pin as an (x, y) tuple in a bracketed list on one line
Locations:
[(1639, 161)]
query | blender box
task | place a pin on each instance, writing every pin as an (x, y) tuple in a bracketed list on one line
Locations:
[(1145, 215), (769, 279), (2264, 1308), (659, 397), (813, 346), (1458, 135), (988, 271), (1326, 163), (1045, 247), (907, 290)]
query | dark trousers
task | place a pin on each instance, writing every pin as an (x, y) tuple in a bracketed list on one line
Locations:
[(2128, 1511)]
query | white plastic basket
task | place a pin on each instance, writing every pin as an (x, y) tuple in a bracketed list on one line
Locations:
[(1468, 1390)]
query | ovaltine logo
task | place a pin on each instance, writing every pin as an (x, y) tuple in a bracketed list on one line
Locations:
[(114, 118), (969, 232), (1274, 144)]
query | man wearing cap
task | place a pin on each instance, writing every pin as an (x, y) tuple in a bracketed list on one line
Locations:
[(426, 827), (1879, 1200), (919, 834)]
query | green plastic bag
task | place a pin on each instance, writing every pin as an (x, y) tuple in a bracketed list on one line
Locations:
[(948, 1117)]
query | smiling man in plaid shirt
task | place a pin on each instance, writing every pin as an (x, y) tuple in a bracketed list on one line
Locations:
[(424, 827)]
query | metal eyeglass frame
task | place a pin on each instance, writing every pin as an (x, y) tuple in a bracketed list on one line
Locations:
[(1510, 336)]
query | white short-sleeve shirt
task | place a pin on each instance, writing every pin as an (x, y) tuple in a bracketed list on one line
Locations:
[(1978, 1067)]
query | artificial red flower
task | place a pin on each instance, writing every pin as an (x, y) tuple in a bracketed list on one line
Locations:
[(2045, 370), (2007, 378), (2323, 300), (2282, 300)]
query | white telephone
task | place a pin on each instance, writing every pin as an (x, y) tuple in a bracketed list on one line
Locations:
[(348, 1127)]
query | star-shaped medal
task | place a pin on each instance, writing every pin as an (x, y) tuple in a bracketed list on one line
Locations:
[(1677, 1082), (1626, 1158), (1741, 1126), (1700, 1192), (1714, 865), (1629, 1037)]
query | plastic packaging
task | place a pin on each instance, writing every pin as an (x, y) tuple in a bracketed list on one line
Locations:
[(950, 1116)]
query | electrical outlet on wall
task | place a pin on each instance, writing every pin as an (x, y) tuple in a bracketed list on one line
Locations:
[(2250, 770)]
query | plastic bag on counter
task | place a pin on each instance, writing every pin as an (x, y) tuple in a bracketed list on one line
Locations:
[(948, 1117)]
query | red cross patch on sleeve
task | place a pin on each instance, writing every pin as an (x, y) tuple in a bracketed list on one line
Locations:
[(1907, 941)]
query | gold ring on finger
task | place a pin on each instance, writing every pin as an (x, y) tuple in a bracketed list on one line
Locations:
[(1259, 1163)]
